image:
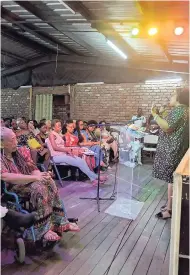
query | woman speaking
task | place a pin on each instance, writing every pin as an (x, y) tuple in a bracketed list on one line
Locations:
[(172, 144)]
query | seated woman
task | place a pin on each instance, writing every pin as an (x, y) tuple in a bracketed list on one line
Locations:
[(41, 137), (72, 140), (23, 178), (108, 140), (48, 124), (33, 127), (61, 153), (84, 140), (24, 135), (151, 126)]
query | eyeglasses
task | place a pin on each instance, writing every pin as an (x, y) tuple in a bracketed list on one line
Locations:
[(81, 124)]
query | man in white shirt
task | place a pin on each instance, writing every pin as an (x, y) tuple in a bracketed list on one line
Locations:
[(139, 119)]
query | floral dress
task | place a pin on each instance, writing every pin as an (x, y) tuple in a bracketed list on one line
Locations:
[(172, 145), (73, 141), (43, 196)]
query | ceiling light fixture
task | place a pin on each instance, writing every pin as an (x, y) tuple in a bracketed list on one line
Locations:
[(60, 9), (152, 31), (114, 47), (179, 30), (10, 6), (135, 31), (163, 80), (90, 83)]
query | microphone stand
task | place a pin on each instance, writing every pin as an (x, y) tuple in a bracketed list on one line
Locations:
[(98, 198)]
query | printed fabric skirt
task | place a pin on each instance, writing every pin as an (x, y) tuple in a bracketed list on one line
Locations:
[(43, 199)]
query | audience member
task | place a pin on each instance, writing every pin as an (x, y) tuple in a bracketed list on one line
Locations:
[(24, 135), (2, 122), (72, 140), (48, 124), (24, 118), (92, 145), (108, 140), (152, 126), (63, 154), (14, 126), (23, 178), (90, 131), (139, 119), (32, 127), (84, 125), (7, 122), (41, 137)]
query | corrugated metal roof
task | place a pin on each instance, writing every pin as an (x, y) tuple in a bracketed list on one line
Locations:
[(70, 28), (114, 10), (17, 48)]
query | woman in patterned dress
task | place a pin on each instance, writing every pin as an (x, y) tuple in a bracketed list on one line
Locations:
[(23, 178), (172, 144)]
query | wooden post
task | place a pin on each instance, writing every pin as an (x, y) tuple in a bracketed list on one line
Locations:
[(182, 170), (30, 106), (175, 225)]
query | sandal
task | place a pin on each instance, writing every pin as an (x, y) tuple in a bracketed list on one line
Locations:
[(95, 182), (164, 207), (167, 214), (51, 236), (103, 178), (67, 227)]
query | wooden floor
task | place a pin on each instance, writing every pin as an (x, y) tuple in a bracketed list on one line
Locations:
[(144, 249)]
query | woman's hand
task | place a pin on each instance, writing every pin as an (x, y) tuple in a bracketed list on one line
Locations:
[(153, 110), (96, 143), (43, 176), (69, 151)]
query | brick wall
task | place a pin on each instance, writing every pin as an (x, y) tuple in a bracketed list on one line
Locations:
[(118, 102), (109, 102), (15, 103)]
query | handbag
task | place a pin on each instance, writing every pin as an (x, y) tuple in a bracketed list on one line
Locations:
[(33, 143)]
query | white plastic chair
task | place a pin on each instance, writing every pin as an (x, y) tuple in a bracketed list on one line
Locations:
[(151, 140)]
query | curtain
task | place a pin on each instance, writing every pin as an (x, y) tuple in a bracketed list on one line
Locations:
[(43, 107)]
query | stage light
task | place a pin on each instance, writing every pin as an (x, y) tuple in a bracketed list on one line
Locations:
[(114, 47), (163, 80), (179, 31), (152, 31), (135, 31)]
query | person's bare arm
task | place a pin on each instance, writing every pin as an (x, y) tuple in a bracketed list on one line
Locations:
[(88, 143), (18, 178), (163, 124), (57, 148), (25, 179), (40, 140)]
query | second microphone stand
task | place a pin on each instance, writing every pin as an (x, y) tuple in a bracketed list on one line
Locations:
[(98, 198)]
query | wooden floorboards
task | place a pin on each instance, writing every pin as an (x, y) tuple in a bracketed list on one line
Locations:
[(144, 243)]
